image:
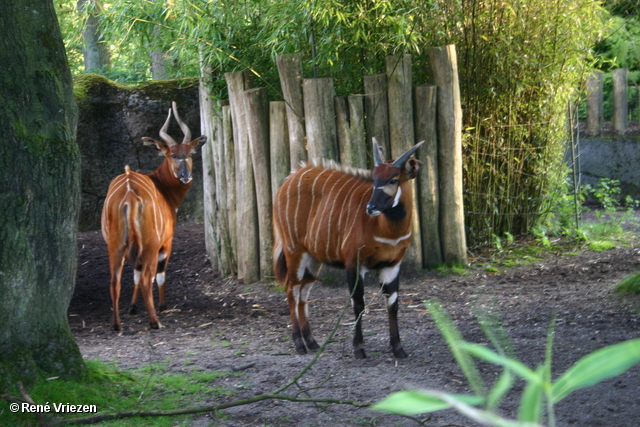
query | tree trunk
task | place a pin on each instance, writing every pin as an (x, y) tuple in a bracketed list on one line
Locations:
[(94, 50), (39, 195)]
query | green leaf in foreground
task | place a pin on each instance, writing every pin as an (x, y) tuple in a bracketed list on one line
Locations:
[(412, 402), (597, 366)]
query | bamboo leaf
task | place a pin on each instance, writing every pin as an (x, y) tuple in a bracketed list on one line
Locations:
[(531, 401), (411, 402), (597, 366)]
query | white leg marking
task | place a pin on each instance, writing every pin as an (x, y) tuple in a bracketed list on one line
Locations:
[(160, 278), (304, 295), (296, 297), (136, 277), (305, 262), (388, 274), (392, 299)]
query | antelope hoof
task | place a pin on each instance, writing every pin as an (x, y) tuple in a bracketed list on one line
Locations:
[(400, 354), (155, 325), (116, 327), (360, 353), (311, 343), (162, 308), (301, 349), (133, 309)]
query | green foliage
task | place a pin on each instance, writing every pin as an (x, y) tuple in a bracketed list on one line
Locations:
[(519, 65), (540, 393), (111, 389), (630, 285)]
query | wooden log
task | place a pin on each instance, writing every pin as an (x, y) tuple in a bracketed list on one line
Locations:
[(424, 101), (228, 155), (256, 104), (320, 123), (376, 111), (278, 144), (350, 128), (290, 72), (620, 103), (444, 69), (401, 138), (248, 257), (212, 243), (595, 99)]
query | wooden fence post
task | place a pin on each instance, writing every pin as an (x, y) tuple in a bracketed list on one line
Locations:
[(212, 242), (402, 137), (290, 72), (595, 97), (376, 111), (248, 258), (444, 68), (424, 101), (278, 144), (228, 157), (256, 106), (350, 126), (320, 122), (620, 103)]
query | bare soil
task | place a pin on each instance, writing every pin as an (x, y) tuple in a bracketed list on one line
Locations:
[(215, 323)]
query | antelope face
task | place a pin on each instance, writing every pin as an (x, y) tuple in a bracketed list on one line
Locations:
[(181, 162), (386, 189), (387, 177)]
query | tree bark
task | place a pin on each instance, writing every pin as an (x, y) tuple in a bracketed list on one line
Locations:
[(94, 50), (39, 196)]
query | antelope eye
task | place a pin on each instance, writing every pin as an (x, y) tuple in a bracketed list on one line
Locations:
[(393, 182)]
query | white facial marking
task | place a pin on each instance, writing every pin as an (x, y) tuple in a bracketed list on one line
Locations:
[(392, 242), (160, 278), (388, 274), (392, 299), (397, 199)]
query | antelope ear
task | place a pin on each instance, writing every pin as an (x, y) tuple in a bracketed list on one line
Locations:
[(411, 168), (158, 144), (196, 142)]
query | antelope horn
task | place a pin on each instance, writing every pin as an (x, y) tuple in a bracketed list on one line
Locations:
[(377, 153), (163, 132), (183, 126), (400, 161)]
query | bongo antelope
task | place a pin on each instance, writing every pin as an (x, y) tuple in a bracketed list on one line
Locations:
[(353, 219), (139, 216)]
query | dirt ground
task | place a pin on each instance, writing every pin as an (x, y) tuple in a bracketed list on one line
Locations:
[(213, 323)]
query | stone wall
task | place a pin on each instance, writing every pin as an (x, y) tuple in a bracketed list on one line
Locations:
[(113, 118), (614, 158)]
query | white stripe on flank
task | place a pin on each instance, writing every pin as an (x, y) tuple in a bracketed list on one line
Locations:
[(295, 215), (330, 218), (392, 242), (317, 219), (342, 209), (355, 217)]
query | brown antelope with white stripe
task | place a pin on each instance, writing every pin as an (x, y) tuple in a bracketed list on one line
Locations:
[(139, 216), (354, 219)]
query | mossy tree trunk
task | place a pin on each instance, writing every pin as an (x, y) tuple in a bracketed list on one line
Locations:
[(39, 196)]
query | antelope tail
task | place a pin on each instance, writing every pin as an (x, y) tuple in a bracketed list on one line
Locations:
[(279, 261)]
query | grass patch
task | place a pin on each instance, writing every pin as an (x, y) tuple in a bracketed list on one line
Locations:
[(630, 285), (601, 245), (113, 390)]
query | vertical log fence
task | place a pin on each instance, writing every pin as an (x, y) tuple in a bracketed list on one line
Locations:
[(255, 143), (595, 101)]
